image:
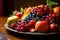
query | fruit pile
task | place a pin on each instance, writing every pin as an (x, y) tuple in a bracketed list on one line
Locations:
[(35, 19), (41, 18)]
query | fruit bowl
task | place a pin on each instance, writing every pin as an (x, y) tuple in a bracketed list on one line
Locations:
[(29, 33), (34, 21)]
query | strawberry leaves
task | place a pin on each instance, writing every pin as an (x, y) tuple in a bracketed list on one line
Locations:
[(50, 3)]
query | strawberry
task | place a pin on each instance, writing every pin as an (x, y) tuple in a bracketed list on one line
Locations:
[(32, 23), (19, 15)]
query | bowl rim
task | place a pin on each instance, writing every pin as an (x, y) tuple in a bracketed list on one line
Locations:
[(31, 33)]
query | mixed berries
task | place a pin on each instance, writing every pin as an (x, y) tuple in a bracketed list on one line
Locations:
[(39, 19)]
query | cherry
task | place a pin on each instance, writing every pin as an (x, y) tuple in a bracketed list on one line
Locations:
[(52, 27)]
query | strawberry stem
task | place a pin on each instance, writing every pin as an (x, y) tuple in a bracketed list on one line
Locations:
[(50, 3), (21, 9)]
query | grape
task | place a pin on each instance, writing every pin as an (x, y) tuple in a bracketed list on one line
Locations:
[(51, 21), (43, 17), (50, 15), (38, 13), (43, 6), (19, 22), (34, 10), (37, 18)]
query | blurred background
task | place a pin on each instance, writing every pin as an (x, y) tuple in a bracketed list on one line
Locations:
[(7, 6)]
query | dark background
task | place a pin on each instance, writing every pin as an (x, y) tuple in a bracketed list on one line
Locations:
[(7, 6)]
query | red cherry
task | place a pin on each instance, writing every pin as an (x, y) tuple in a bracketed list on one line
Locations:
[(13, 25), (52, 27), (32, 23)]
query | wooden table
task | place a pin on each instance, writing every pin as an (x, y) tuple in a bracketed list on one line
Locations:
[(11, 37)]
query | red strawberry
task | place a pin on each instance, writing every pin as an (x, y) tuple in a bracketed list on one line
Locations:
[(19, 15), (32, 23)]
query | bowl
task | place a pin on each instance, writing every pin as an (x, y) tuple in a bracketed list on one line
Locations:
[(30, 35)]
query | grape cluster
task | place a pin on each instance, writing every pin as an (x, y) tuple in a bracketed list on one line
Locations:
[(43, 13), (38, 13)]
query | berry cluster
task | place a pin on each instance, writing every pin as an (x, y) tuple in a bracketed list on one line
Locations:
[(23, 26), (39, 13), (41, 19)]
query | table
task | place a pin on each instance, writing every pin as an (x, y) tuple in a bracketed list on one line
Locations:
[(11, 37)]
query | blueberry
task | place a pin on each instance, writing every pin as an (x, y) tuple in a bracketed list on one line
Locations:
[(29, 15), (41, 19), (32, 16), (37, 18), (33, 13), (28, 20)]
